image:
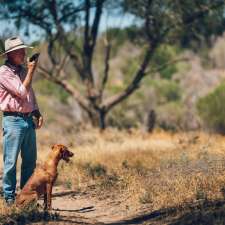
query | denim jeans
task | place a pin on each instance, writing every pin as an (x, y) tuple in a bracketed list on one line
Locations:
[(18, 135)]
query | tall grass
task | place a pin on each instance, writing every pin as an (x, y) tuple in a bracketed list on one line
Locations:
[(160, 170), (157, 171)]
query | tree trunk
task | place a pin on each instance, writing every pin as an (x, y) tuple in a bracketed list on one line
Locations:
[(98, 118), (102, 115), (151, 120)]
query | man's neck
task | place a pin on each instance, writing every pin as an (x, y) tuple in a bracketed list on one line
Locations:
[(12, 65)]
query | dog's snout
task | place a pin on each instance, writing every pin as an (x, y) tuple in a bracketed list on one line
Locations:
[(69, 153)]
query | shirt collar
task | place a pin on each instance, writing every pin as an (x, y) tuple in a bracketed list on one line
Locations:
[(14, 68)]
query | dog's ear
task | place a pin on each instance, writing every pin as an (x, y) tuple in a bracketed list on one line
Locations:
[(62, 152), (63, 148)]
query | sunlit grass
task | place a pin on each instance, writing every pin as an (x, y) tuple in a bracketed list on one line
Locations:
[(158, 170), (161, 169)]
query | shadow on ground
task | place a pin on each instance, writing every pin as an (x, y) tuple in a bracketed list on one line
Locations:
[(200, 213), (82, 210), (205, 212)]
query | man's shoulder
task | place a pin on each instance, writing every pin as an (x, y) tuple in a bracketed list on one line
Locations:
[(4, 69), (5, 73)]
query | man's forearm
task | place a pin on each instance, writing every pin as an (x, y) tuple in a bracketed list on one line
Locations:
[(30, 72), (28, 80)]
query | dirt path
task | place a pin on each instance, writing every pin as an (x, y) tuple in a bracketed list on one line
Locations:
[(88, 208), (84, 208)]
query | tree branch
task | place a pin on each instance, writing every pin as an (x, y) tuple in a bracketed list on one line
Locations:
[(203, 12), (83, 102), (95, 26), (106, 70), (59, 68), (196, 15), (80, 8), (165, 65), (114, 100), (88, 76), (90, 37), (86, 28), (51, 47)]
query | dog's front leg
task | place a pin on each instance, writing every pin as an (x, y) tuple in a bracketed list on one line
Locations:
[(45, 200), (48, 204)]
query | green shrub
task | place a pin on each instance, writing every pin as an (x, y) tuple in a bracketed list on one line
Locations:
[(46, 87), (120, 36), (164, 54), (216, 54), (211, 109), (167, 90), (170, 116), (124, 116)]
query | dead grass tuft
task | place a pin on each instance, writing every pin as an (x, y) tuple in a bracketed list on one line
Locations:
[(159, 170)]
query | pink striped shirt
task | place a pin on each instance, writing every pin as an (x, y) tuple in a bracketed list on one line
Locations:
[(13, 95)]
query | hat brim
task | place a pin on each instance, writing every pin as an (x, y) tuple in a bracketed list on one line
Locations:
[(16, 48)]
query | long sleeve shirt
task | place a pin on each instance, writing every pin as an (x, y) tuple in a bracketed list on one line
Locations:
[(14, 97)]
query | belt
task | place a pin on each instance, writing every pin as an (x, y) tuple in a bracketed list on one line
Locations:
[(17, 114)]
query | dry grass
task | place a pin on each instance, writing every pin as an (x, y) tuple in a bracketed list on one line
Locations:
[(160, 170), (14, 215)]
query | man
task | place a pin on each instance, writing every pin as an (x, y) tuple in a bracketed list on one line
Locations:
[(19, 106)]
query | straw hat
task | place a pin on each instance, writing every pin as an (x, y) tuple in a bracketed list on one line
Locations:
[(14, 43)]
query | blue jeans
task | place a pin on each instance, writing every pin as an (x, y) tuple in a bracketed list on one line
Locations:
[(18, 135)]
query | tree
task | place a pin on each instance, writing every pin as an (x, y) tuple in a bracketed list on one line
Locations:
[(211, 111), (63, 22), (190, 21)]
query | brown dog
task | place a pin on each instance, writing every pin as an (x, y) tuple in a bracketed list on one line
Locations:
[(43, 178)]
